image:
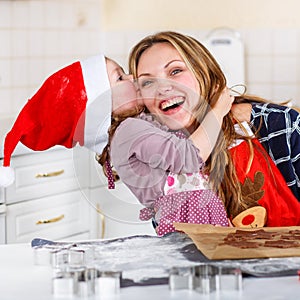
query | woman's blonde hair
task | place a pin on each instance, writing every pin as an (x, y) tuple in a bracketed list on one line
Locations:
[(211, 81)]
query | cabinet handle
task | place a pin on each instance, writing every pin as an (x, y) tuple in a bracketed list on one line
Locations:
[(53, 220), (51, 174), (99, 211)]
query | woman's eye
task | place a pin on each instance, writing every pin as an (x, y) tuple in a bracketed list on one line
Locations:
[(146, 83), (176, 71)]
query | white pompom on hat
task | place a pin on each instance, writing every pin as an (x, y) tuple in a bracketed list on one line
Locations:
[(59, 114)]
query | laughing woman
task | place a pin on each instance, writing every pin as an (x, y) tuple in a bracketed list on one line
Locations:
[(187, 129)]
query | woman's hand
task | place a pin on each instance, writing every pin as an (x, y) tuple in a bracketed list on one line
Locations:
[(242, 111)]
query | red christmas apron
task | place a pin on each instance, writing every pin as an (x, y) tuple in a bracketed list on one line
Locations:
[(265, 183)]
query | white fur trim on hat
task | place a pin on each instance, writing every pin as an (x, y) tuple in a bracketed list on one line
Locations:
[(7, 176), (99, 103)]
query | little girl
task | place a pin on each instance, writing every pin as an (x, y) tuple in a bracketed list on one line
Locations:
[(163, 169), (73, 106)]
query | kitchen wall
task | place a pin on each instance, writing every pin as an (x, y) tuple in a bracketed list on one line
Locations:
[(272, 58), (40, 36), (195, 14), (270, 30)]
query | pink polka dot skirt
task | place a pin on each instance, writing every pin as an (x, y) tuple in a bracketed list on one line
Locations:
[(197, 207)]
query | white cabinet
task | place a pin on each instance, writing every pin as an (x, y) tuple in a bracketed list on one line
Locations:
[(54, 217), (46, 173), (2, 224), (47, 198), (62, 194), (115, 211)]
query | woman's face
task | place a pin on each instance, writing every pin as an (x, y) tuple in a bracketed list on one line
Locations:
[(124, 93), (167, 87)]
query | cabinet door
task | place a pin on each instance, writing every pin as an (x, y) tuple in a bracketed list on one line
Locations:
[(53, 217), (2, 229), (116, 213), (47, 173)]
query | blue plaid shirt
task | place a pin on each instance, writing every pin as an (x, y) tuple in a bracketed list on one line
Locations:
[(280, 135)]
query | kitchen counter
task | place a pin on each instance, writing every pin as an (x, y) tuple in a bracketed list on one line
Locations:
[(21, 279)]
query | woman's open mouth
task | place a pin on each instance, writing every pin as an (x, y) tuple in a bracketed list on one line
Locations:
[(171, 104)]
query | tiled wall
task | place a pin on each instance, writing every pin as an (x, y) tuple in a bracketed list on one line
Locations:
[(273, 63), (38, 37), (272, 59)]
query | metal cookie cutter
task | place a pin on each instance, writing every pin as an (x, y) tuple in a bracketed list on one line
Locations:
[(181, 278), (65, 284), (86, 282), (43, 254), (107, 282), (60, 259), (206, 279), (230, 278), (72, 257), (71, 282), (76, 257)]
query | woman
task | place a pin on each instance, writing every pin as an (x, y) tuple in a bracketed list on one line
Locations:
[(237, 166)]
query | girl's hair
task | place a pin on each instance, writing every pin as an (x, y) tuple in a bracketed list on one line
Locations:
[(116, 120), (211, 79)]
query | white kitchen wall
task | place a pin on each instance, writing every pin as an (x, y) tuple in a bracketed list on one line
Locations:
[(272, 58), (37, 38), (273, 63), (40, 36)]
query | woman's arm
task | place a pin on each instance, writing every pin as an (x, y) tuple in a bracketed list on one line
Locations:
[(279, 133)]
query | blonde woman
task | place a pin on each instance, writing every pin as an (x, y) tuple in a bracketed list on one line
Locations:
[(236, 165)]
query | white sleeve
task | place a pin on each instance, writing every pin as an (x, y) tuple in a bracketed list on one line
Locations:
[(97, 123)]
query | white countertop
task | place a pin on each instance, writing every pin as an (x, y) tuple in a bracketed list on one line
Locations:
[(21, 279)]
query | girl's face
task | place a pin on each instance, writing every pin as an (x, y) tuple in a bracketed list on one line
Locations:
[(124, 94), (167, 87)]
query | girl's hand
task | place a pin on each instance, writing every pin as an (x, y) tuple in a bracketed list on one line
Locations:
[(206, 135)]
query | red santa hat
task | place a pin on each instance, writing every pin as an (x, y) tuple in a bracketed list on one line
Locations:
[(62, 112)]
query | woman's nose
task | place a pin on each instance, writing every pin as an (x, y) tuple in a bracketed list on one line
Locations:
[(164, 85)]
